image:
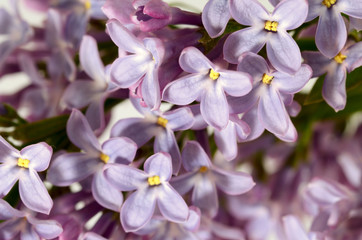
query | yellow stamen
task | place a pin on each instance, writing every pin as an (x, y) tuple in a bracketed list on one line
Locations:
[(267, 79), (154, 180), (213, 75), (162, 121), (329, 3), (271, 26), (87, 4), (340, 58), (203, 169), (22, 162), (104, 157)]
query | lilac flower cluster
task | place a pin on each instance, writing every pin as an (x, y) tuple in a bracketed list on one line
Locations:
[(197, 163)]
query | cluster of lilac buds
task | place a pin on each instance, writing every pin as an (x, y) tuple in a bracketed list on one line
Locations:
[(141, 120)]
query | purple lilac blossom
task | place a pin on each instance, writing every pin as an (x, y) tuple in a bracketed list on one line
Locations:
[(152, 188), (334, 85), (24, 166), (203, 177), (140, 68), (282, 50), (68, 168), (207, 83), (215, 16)]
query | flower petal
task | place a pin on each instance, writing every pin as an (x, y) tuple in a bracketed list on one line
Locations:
[(125, 178), (248, 12), (105, 194), (283, 52), (33, 193), (38, 154), (204, 195), (80, 93), (172, 206), (194, 157), (7, 151), (293, 229), (351, 8), (331, 33), (183, 183), (179, 119), (151, 92), (317, 61), (215, 17), (290, 14), (292, 83), (138, 209), (7, 211), (232, 183), (256, 126), (245, 40), (226, 141), (334, 88), (47, 229), (192, 60), (235, 83), (120, 150), (243, 104), (354, 58), (9, 174), (314, 9), (253, 64), (159, 164)]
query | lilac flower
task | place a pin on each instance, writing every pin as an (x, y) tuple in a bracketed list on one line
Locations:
[(93, 93), (293, 230), (159, 125), (21, 225), (152, 186), (203, 177), (334, 86), (68, 168), (270, 90), (215, 17), (140, 68), (331, 33), (23, 166), (207, 83), (282, 51)]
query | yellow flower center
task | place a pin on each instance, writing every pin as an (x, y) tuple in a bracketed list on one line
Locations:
[(213, 75), (267, 79), (154, 180), (271, 26), (87, 4), (329, 3), (162, 121), (104, 157), (22, 162), (340, 58), (203, 169)]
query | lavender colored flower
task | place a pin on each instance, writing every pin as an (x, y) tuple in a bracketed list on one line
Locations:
[(334, 86), (270, 90), (282, 50), (140, 68), (215, 17), (23, 166), (22, 225), (68, 168), (207, 83), (152, 188), (331, 32), (203, 177)]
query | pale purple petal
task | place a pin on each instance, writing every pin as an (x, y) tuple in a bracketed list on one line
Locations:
[(204, 195), (351, 8), (194, 157), (9, 174), (292, 83), (156, 48), (72, 167), (123, 38), (7, 151), (9, 229), (199, 120), (290, 14), (95, 114), (105, 194), (193, 221), (248, 12), (183, 183), (293, 229), (28, 233), (127, 71), (38, 154), (283, 52), (291, 135), (90, 59), (256, 126), (326, 192), (215, 17), (271, 111), (315, 8), (232, 183), (334, 88), (159, 164), (92, 236), (214, 107), (226, 141), (242, 128), (80, 93), (179, 119), (125, 178), (81, 134), (356, 23), (354, 58), (120, 150), (138, 209), (245, 40), (111, 10), (317, 61), (7, 212), (185, 90), (235, 83), (131, 127), (331, 33), (192, 60), (47, 229), (172, 206), (151, 92), (165, 141), (242, 104), (33, 193), (253, 64)]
